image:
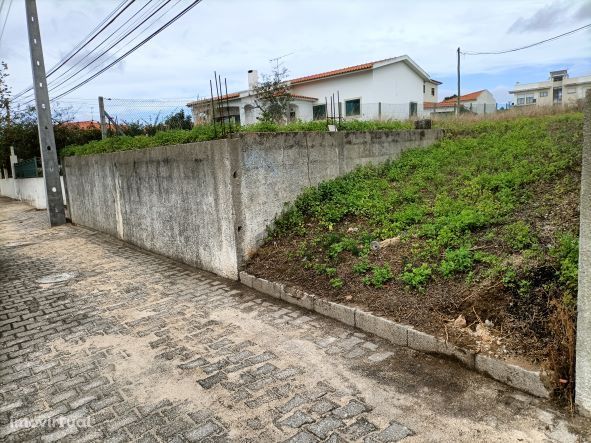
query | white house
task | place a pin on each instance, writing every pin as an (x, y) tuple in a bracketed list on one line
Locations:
[(559, 89), (478, 102), (395, 88)]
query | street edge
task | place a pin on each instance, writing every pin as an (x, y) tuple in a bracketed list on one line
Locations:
[(517, 377)]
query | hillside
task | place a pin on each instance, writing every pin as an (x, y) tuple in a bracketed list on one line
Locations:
[(481, 233)]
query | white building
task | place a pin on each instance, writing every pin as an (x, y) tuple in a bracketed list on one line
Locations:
[(395, 88), (478, 102), (559, 89)]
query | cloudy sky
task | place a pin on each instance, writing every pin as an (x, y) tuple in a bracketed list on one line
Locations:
[(232, 36)]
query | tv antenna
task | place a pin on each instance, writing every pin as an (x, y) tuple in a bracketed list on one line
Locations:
[(276, 59)]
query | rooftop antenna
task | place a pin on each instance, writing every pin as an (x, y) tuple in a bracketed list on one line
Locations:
[(276, 59)]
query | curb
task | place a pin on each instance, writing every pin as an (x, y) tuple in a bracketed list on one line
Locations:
[(404, 335)]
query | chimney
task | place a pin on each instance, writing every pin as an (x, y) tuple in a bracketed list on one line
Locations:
[(253, 78)]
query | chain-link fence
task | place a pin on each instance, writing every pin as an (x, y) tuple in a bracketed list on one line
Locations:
[(146, 116)]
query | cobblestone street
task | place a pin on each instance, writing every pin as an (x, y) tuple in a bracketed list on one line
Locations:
[(123, 345)]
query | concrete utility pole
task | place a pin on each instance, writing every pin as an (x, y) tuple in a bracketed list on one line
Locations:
[(458, 99), (53, 187), (102, 118), (583, 352)]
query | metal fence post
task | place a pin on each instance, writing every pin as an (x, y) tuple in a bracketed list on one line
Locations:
[(583, 349), (103, 119)]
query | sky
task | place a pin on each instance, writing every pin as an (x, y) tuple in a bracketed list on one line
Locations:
[(233, 36)]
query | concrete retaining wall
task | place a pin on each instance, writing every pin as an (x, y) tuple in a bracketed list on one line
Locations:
[(275, 168), (30, 190), (173, 200), (209, 204)]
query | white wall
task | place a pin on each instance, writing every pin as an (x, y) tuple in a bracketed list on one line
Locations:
[(29, 190), (394, 85)]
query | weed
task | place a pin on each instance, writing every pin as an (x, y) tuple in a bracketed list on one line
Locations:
[(337, 282), (379, 276), (455, 261), (416, 277), (520, 236)]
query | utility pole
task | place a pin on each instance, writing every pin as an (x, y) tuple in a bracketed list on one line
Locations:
[(458, 98), (102, 117), (53, 187)]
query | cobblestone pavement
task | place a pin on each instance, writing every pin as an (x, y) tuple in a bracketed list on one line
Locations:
[(103, 342)]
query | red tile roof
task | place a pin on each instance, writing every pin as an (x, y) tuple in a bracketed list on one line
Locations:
[(361, 67), (463, 98), (88, 124)]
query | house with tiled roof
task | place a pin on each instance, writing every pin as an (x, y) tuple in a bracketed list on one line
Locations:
[(394, 88), (477, 102)]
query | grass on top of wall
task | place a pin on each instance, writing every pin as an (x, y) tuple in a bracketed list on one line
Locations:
[(207, 132)]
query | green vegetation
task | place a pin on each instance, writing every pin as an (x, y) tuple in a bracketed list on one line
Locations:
[(449, 203), (208, 132)]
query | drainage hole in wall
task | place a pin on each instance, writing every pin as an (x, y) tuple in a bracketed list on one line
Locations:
[(239, 228)]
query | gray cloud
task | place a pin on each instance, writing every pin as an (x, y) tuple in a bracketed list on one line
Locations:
[(584, 11), (548, 17)]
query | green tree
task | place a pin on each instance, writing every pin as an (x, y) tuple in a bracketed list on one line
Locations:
[(272, 96), (179, 120)]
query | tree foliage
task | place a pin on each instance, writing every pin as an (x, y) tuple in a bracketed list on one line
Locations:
[(18, 127), (272, 96)]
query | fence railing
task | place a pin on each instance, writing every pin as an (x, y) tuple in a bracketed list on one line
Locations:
[(29, 168)]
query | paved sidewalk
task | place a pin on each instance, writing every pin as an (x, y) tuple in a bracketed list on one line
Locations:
[(123, 345)]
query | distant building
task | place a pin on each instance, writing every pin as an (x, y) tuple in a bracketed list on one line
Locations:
[(395, 88), (478, 102), (559, 89)]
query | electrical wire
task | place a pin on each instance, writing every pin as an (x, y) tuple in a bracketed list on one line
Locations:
[(144, 41), (527, 46), (5, 20), (78, 45), (121, 36)]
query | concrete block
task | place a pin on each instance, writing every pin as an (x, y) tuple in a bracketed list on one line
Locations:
[(339, 312), (246, 278), (389, 330), (515, 376), (258, 284), (420, 341), (464, 356), (299, 298)]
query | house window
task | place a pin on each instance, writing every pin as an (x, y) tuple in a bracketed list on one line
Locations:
[(520, 100), (433, 92), (543, 93), (530, 99), (352, 107), (319, 112), (423, 88), (571, 90)]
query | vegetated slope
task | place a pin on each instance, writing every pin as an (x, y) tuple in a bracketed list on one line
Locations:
[(488, 227)]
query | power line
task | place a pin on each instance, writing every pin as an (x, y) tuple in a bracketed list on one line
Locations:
[(528, 46), (111, 17), (5, 20), (130, 23), (80, 43), (155, 33), (62, 63)]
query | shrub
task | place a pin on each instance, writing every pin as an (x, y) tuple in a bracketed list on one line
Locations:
[(337, 282)]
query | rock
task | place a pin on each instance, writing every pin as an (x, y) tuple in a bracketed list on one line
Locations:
[(488, 323), (389, 242), (460, 322), (352, 229)]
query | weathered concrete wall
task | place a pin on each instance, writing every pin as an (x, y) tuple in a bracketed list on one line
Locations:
[(30, 190), (209, 204), (275, 168), (583, 365), (173, 200)]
